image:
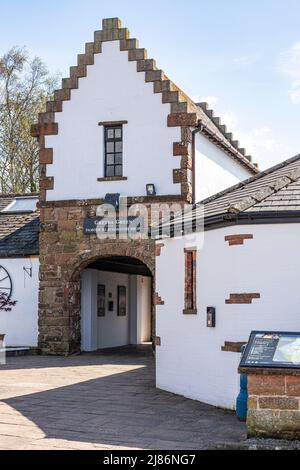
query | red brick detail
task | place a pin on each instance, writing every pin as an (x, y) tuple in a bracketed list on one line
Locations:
[(158, 248), (190, 287), (233, 347), (180, 149), (179, 176), (241, 298), (266, 385), (47, 183), (158, 300), (237, 239), (182, 120), (46, 156), (38, 130)]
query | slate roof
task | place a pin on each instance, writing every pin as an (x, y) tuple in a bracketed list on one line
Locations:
[(19, 232), (272, 194)]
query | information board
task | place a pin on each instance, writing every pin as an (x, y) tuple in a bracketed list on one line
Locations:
[(272, 349)]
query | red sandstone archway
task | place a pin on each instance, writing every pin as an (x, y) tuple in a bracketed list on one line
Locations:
[(71, 273)]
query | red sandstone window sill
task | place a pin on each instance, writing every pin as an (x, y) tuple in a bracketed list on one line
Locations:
[(112, 178), (190, 312)]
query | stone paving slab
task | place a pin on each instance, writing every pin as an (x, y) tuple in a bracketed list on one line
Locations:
[(104, 401)]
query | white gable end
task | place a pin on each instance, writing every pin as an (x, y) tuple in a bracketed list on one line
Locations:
[(112, 91)]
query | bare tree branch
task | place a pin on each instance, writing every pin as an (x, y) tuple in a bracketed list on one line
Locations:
[(25, 86)]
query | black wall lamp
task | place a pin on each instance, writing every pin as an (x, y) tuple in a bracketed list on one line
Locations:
[(151, 190)]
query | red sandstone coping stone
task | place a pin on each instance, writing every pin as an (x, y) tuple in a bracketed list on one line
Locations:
[(268, 371)]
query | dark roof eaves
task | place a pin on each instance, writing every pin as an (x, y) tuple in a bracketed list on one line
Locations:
[(252, 218)]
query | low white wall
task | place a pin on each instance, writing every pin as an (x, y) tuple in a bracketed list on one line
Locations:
[(21, 324), (190, 361)]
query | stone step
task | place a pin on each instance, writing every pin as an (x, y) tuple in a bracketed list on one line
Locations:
[(18, 351)]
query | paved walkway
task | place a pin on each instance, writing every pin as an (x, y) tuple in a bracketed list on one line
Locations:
[(102, 401)]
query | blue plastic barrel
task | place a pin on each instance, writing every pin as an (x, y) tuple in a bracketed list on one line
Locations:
[(242, 399)]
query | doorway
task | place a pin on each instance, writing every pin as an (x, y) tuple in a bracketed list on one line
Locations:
[(116, 303)]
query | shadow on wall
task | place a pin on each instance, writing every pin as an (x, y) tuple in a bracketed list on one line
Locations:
[(117, 408)]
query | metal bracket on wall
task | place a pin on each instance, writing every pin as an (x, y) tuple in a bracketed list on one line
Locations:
[(28, 271)]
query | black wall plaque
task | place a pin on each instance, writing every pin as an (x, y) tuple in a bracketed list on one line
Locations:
[(272, 349), (104, 225)]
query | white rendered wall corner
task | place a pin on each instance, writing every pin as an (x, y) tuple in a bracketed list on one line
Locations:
[(112, 91), (190, 361), (215, 169), (20, 326)]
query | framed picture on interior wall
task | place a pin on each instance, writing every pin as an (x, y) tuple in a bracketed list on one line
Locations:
[(101, 300), (122, 301)]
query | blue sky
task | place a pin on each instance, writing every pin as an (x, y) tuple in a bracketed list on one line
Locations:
[(243, 56)]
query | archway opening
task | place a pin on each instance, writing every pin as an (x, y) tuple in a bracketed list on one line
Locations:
[(116, 303)]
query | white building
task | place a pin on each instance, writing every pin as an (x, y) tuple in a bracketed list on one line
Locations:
[(19, 269), (119, 126), (246, 266)]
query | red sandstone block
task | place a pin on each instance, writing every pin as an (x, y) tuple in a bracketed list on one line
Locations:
[(180, 149), (266, 385), (68, 225), (278, 403), (46, 156), (293, 386), (184, 119)]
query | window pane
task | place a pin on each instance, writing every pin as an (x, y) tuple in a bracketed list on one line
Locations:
[(110, 159), (119, 158), (118, 133), (110, 133), (119, 170), (110, 171), (110, 147), (119, 147)]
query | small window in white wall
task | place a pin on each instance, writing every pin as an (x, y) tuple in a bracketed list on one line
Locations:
[(113, 151), (190, 286), (101, 300), (122, 301)]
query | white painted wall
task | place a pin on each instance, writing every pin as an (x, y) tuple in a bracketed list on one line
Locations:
[(144, 308), (215, 169), (113, 90), (190, 361), (21, 324), (111, 330)]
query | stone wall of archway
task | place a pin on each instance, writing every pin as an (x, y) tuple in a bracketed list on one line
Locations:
[(65, 252)]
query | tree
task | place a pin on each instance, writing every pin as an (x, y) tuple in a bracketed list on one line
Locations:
[(25, 86)]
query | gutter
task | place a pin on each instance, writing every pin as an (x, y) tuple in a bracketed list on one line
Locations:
[(253, 218)]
